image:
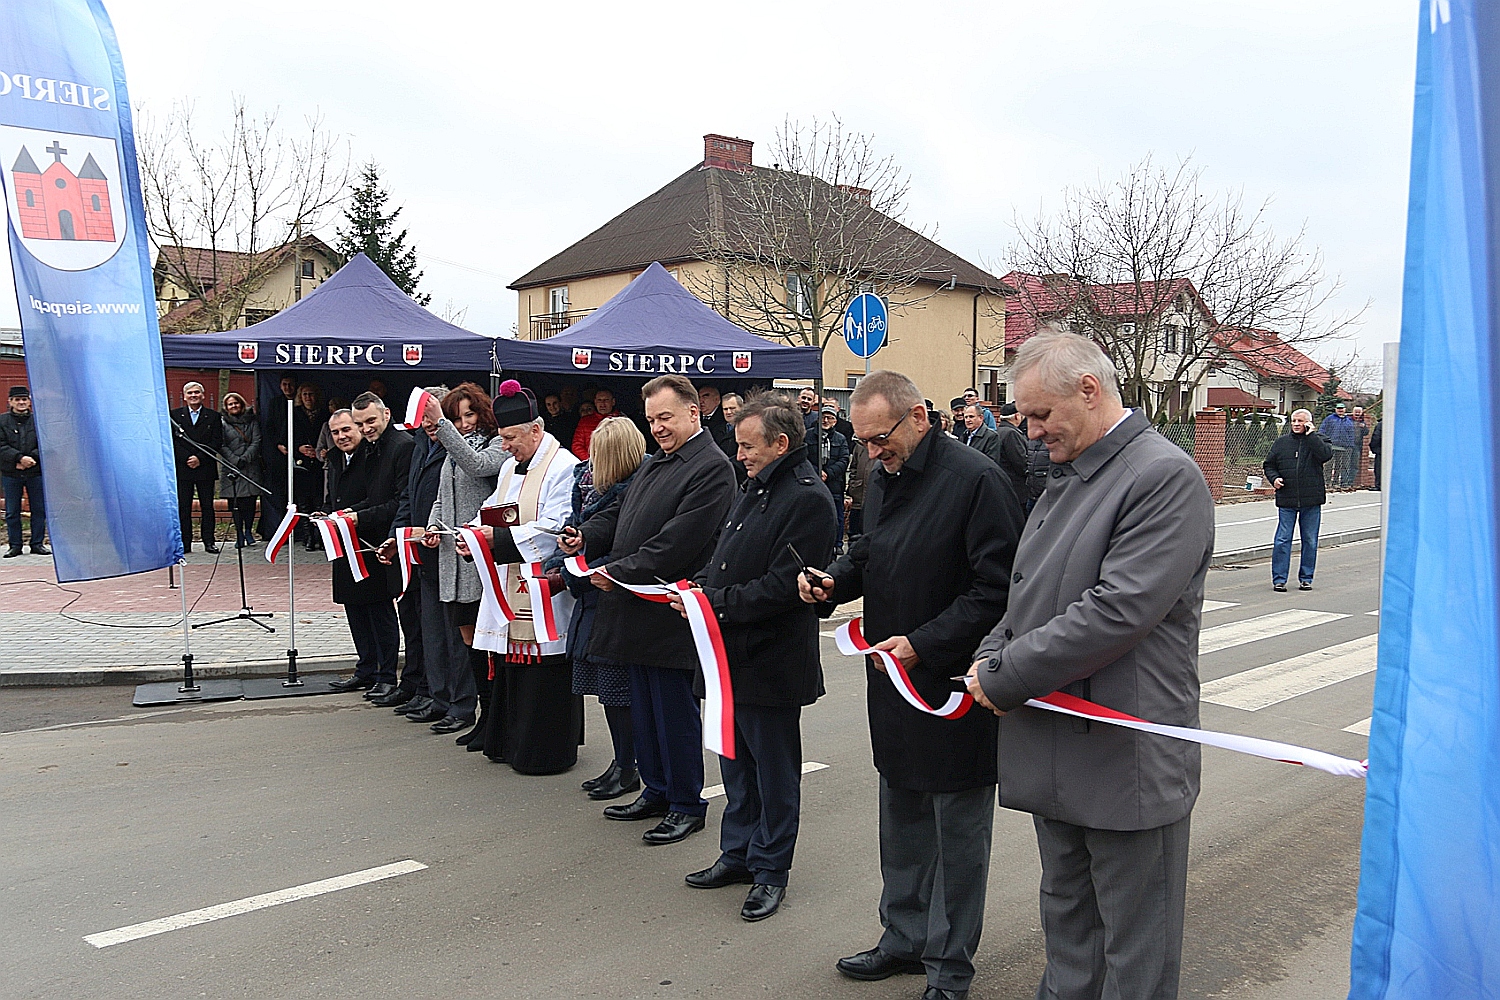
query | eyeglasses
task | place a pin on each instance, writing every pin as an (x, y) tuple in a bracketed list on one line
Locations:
[(879, 440)]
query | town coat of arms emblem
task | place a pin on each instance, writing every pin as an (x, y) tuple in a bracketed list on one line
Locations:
[(63, 194), (741, 361), (249, 351), (411, 353), (582, 356)]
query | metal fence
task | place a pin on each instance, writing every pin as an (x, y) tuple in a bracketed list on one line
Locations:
[(1179, 434), (1247, 441)]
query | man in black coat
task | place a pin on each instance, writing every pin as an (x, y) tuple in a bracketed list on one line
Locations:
[(273, 451), (771, 638), (665, 529), (198, 436), (933, 566), (1294, 466), (21, 471), (371, 488)]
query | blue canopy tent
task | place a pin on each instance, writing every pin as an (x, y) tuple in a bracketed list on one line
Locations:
[(654, 326)]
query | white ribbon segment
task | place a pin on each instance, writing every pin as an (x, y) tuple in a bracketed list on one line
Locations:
[(543, 621), (851, 642), (283, 532)]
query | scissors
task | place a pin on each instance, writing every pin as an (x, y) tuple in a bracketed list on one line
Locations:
[(807, 570)]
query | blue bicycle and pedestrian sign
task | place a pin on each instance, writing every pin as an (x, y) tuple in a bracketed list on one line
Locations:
[(864, 325)]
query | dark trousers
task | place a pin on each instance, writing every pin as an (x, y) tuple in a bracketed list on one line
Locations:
[(668, 737), (205, 491), (763, 789), (450, 671), (377, 640), (935, 862), (409, 613), (33, 487), (1112, 905), (243, 509), (856, 522)]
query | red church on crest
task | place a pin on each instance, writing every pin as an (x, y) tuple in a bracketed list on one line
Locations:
[(59, 204)]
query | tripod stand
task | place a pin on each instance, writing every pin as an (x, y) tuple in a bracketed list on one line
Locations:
[(246, 612)]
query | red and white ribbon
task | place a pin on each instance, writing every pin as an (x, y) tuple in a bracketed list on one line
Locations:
[(851, 642), (489, 573), (543, 621), (406, 553), (1067, 704), (718, 694), (656, 592), (283, 532), (333, 547), (416, 405), (352, 554)]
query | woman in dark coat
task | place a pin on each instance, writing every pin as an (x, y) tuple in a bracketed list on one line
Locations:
[(616, 451), (242, 443)]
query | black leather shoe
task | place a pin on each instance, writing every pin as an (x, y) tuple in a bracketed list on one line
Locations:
[(42, 550), (380, 691), (475, 745), (433, 714), (876, 964), (400, 696), (210, 547), (641, 808), (416, 706), (11, 554), (933, 993), (1304, 585), (352, 684), (718, 875), (673, 827), (450, 724), (609, 772), (622, 783), (469, 737), (1280, 588), (763, 901)]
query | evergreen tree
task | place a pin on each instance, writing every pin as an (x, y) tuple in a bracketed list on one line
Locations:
[(1329, 397), (372, 232)]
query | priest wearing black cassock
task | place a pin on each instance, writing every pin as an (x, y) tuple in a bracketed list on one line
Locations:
[(535, 721), (933, 566)]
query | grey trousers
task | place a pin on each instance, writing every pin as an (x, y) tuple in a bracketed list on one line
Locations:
[(1112, 905), (935, 860)]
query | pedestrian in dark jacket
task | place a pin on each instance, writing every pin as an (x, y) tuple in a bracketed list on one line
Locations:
[(371, 487), (1343, 435), (1375, 445), (771, 638), (21, 471), (1038, 462), (665, 528), (933, 567), (1294, 466), (199, 436), (242, 477)]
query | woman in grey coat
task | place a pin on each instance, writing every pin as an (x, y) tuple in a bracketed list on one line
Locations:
[(466, 429), (242, 451)]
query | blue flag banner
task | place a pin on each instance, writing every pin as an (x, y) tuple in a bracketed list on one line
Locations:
[(1430, 865), (82, 266)]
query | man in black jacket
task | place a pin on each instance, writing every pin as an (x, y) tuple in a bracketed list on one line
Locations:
[(21, 470), (199, 435), (771, 638), (933, 566), (1294, 466), (371, 488), (665, 529)]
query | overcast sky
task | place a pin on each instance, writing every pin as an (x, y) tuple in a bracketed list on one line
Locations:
[(508, 131)]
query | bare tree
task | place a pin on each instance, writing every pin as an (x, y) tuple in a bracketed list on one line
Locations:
[(791, 244), (221, 212), (1165, 276)]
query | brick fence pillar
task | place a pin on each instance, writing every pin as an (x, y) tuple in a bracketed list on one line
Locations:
[(1208, 449), (1366, 478)]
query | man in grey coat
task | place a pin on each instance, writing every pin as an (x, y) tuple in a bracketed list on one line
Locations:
[(1105, 604)]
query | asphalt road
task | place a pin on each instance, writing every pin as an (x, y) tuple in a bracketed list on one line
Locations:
[(528, 892)]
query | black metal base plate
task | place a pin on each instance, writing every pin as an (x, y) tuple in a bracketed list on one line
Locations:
[(257, 688), (168, 693)]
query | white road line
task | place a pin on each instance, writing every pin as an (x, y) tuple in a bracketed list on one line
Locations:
[(1261, 687), (192, 918), (1361, 728), (808, 767), (1219, 605), (1376, 612), (1219, 637), (1326, 510)]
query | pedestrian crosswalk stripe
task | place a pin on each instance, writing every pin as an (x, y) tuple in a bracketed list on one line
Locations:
[(1360, 728), (1274, 683), (1219, 605), (1211, 640), (808, 767)]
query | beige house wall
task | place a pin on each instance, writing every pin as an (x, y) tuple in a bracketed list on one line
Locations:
[(930, 337), (276, 292)]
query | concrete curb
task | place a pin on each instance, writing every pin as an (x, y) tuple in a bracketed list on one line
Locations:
[(1221, 560), (86, 676)]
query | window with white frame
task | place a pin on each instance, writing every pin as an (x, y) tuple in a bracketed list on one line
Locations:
[(800, 294), (557, 300)]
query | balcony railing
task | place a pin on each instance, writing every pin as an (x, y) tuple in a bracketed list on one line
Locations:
[(551, 324)]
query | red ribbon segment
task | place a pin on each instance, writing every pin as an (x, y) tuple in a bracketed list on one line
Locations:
[(352, 554), (540, 592), (851, 642), (283, 532), (416, 405), (489, 574)]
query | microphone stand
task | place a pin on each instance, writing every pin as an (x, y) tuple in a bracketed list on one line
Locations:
[(246, 612)]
